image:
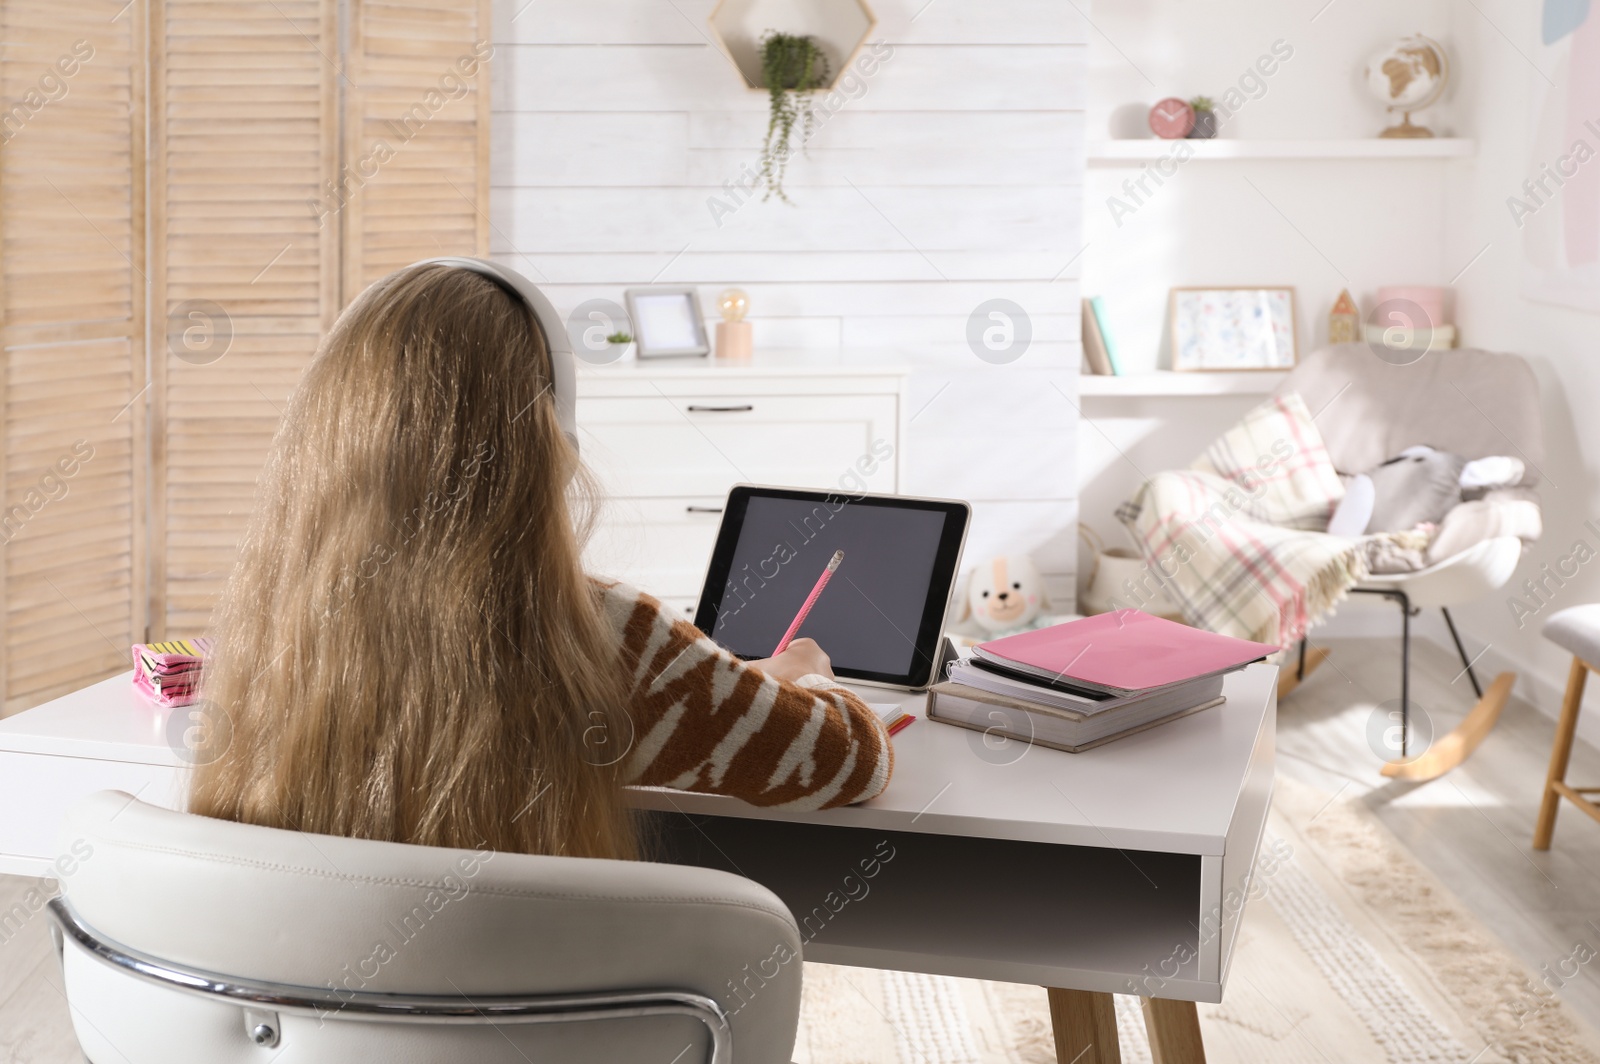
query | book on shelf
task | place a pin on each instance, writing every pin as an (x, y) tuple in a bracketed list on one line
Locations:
[(1103, 326), (1094, 345), (1076, 685)]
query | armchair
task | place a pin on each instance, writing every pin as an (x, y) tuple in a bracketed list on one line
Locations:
[(188, 940), (1468, 402)]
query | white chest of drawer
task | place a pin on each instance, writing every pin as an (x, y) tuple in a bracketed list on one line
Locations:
[(667, 442)]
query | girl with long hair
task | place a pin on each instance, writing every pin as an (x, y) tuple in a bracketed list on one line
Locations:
[(408, 648)]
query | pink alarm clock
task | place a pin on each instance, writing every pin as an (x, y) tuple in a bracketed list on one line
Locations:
[(1171, 119)]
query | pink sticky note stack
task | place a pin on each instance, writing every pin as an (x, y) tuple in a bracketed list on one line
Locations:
[(168, 673)]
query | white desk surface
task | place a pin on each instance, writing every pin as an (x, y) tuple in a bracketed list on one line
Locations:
[(1173, 788), (107, 721)]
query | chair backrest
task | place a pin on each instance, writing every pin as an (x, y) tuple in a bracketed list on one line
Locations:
[(420, 949), (1468, 402)]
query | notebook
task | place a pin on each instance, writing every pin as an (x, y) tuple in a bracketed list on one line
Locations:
[(895, 719), (1119, 653), (1080, 703)]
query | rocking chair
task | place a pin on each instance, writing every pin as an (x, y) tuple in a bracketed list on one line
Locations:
[(1468, 402)]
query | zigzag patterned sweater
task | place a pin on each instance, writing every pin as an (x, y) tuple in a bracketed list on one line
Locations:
[(705, 721)]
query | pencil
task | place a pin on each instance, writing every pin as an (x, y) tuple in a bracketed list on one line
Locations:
[(811, 600)]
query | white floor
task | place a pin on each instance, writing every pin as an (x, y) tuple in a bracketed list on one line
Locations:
[(1472, 828)]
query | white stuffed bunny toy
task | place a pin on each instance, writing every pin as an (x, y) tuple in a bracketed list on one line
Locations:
[(1006, 594)]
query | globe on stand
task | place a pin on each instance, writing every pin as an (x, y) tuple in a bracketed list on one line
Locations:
[(1407, 76)]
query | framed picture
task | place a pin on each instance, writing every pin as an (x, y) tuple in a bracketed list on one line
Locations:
[(1232, 328), (667, 322)]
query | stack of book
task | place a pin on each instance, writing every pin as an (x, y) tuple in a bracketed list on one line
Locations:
[(1083, 683)]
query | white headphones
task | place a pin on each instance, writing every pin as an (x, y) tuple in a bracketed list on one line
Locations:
[(563, 373)]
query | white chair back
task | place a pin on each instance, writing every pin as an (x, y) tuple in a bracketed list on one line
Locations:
[(189, 940)]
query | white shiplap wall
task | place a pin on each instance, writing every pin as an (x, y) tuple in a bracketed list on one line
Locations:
[(954, 177)]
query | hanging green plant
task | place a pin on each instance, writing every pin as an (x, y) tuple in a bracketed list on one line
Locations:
[(792, 68)]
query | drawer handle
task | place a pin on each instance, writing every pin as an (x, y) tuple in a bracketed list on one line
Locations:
[(697, 409), (702, 509)]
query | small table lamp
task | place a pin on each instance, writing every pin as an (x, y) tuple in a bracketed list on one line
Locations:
[(734, 334)]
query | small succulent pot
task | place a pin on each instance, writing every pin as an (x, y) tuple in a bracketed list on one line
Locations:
[(1205, 124)]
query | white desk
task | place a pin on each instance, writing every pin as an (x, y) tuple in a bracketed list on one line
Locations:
[(1121, 869)]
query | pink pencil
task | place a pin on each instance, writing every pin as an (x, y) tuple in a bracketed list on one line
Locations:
[(811, 600)]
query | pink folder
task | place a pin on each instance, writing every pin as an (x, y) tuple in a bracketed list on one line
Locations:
[(1121, 652)]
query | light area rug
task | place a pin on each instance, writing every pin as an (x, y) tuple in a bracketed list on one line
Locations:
[(1349, 952)]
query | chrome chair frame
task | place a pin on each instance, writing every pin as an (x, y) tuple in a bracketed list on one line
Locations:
[(262, 1000)]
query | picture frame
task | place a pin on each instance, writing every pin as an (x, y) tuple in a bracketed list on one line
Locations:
[(667, 322), (1220, 329)]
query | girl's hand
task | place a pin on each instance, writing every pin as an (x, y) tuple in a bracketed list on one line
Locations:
[(801, 657)]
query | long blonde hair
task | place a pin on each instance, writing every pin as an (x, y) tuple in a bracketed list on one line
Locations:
[(408, 648)]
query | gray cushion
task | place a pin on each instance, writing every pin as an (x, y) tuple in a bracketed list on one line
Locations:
[(1468, 402), (1415, 488), (1577, 630)]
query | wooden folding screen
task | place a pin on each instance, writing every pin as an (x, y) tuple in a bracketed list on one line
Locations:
[(266, 211), (244, 275), (159, 307), (72, 304), (416, 135)]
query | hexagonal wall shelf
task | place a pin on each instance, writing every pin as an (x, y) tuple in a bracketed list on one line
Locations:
[(838, 26)]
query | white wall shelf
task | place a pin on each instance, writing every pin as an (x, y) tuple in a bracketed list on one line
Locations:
[(1130, 152), (1170, 383)]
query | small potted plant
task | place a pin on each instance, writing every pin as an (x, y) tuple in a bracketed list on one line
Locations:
[(792, 68), (618, 346), (1205, 118)]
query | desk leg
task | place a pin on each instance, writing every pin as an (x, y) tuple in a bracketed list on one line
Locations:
[(1174, 1030), (1085, 1025)]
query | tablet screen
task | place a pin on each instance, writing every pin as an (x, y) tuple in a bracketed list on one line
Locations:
[(879, 616)]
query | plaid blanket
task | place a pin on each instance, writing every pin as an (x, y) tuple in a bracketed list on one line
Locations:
[(1236, 539)]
